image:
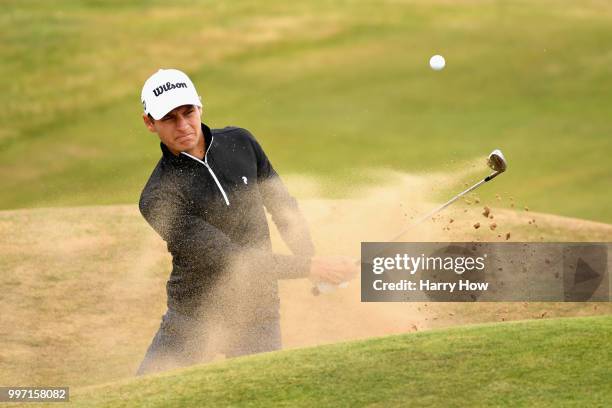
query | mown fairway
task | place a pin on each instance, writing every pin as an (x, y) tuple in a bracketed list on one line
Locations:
[(331, 90)]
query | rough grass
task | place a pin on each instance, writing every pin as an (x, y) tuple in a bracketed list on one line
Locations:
[(330, 89)]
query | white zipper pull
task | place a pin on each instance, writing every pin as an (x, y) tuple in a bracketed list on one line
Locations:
[(205, 163), (218, 184)]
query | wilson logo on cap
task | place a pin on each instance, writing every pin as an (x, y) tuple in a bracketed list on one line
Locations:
[(175, 87), (168, 86)]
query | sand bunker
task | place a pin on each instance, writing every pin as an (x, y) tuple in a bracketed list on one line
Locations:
[(84, 288)]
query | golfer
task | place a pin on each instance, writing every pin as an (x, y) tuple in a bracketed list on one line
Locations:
[(206, 199)]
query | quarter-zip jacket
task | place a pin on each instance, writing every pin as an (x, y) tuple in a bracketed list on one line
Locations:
[(212, 210)]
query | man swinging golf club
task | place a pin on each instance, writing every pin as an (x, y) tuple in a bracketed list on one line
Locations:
[(206, 199)]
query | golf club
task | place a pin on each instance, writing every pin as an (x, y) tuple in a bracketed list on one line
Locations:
[(496, 161)]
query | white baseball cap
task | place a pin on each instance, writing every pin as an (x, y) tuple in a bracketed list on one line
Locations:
[(165, 90)]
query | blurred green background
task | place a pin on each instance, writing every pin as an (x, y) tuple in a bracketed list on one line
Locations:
[(332, 89)]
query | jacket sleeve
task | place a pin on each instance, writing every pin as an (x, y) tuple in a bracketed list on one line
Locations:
[(203, 246), (282, 206)]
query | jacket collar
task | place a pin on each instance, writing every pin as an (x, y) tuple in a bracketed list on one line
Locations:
[(167, 154)]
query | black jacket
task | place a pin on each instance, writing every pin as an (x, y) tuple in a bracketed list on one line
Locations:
[(211, 211)]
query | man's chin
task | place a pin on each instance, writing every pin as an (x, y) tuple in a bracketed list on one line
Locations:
[(185, 144)]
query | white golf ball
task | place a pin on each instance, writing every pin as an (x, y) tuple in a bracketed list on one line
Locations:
[(437, 62)]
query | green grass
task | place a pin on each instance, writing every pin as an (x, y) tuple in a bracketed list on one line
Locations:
[(559, 362), (331, 90)]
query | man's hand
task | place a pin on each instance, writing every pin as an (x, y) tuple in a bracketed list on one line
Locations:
[(333, 269)]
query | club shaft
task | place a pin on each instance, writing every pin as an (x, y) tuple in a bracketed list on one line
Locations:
[(443, 206), (449, 202)]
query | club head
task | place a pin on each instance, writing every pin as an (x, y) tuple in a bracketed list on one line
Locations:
[(497, 161)]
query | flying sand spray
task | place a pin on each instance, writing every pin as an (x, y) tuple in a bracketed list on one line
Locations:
[(496, 161)]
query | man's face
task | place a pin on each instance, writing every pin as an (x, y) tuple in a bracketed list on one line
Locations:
[(179, 130)]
